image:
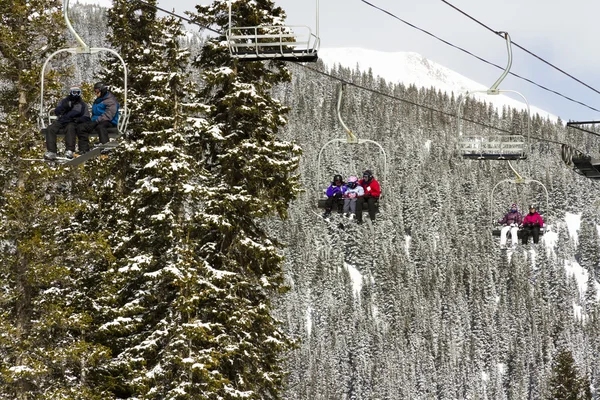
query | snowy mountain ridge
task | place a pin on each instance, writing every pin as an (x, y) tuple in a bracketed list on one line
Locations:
[(412, 68)]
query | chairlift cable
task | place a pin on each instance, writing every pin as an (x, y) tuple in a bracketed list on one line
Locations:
[(385, 94), (523, 48), (449, 114), (482, 59), (188, 20)]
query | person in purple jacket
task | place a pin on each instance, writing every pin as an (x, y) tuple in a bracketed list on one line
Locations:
[(511, 222), (334, 193)]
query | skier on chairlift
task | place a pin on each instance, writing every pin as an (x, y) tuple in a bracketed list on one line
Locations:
[(334, 193), (372, 192), (70, 112), (512, 220), (532, 223), (105, 115), (352, 196)]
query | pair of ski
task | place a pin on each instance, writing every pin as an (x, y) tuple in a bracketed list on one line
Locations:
[(340, 225), (328, 220), (73, 162)]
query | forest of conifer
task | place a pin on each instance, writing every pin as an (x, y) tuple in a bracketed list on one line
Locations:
[(192, 263)]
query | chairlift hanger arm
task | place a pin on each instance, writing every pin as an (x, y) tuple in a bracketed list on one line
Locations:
[(352, 138), (83, 45), (494, 88)]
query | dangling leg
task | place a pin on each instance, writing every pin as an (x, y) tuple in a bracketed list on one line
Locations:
[(328, 206), (51, 133), (536, 234), (514, 235), (353, 207), (83, 131), (371, 204), (525, 236), (503, 234), (347, 207), (359, 207), (338, 202)]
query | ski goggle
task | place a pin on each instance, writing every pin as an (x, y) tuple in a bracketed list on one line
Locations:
[(75, 92)]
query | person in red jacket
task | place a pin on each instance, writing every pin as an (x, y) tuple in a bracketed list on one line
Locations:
[(372, 193), (532, 223)]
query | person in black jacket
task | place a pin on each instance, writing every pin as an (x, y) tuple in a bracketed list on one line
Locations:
[(71, 110)]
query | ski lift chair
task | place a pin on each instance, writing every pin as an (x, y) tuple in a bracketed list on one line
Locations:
[(45, 116), (351, 140), (581, 163), (524, 202), (493, 147), (281, 42)]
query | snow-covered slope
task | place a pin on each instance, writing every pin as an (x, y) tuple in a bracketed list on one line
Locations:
[(412, 68)]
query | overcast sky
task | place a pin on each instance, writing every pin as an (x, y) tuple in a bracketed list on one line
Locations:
[(563, 32)]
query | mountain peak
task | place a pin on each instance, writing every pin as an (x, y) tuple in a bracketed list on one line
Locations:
[(412, 68)]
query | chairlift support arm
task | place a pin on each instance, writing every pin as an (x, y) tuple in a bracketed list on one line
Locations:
[(494, 88), (352, 138)]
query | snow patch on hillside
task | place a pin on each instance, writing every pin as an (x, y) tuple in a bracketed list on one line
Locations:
[(356, 278), (573, 225), (412, 68)]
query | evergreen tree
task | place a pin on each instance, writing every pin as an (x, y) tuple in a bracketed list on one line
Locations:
[(565, 382), (45, 313), (151, 192), (252, 176)]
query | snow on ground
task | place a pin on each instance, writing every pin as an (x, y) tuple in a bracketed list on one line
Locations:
[(309, 311), (579, 273), (356, 278), (573, 224)]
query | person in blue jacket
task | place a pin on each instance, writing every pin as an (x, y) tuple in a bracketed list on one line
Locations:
[(334, 193), (70, 112), (105, 114)]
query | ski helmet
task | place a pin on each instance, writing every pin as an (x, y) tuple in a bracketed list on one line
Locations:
[(337, 178), (101, 87), (352, 179), (367, 175), (75, 91)]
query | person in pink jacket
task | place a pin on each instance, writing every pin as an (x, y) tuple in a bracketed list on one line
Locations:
[(532, 223)]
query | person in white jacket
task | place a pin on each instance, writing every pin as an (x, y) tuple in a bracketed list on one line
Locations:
[(353, 192)]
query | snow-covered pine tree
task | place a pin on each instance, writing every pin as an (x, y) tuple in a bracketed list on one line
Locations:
[(252, 173), (150, 191), (45, 315)]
